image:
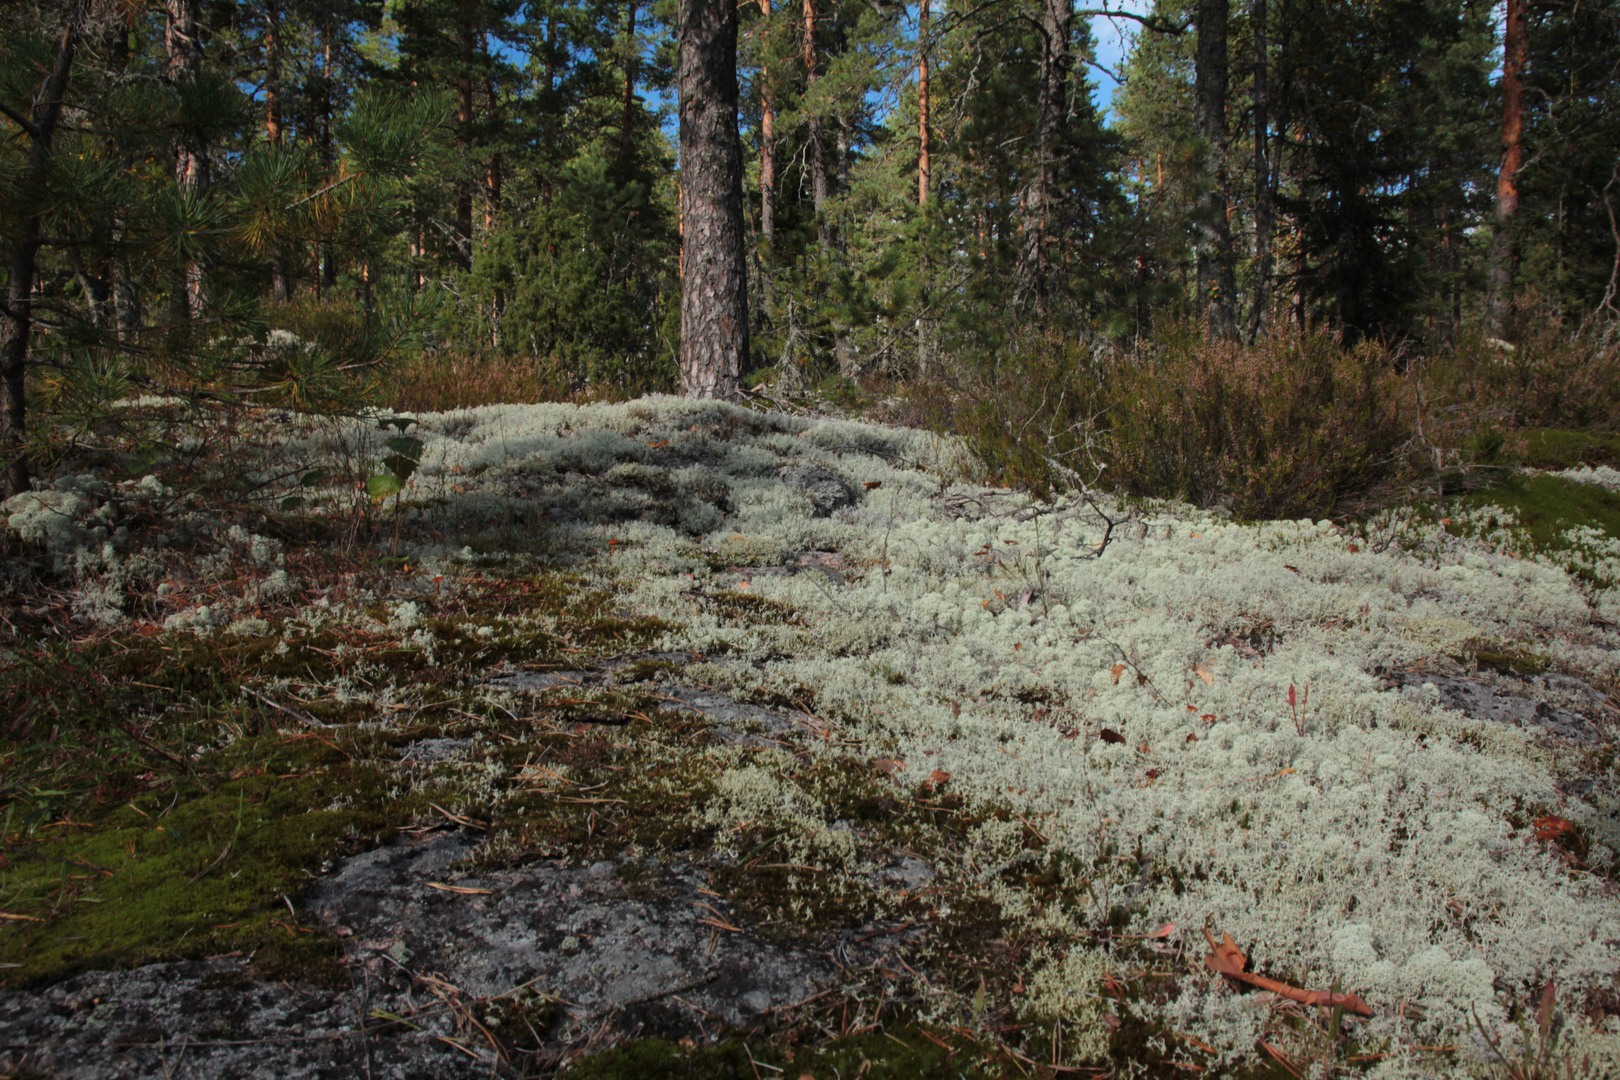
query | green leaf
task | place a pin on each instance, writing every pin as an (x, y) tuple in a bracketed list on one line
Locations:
[(405, 446), (383, 485), (400, 422), (292, 502), (313, 478), (400, 466)]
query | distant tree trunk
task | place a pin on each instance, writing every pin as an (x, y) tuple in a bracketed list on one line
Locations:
[(326, 265), (924, 141), (767, 147), (464, 121), (1057, 18), (1217, 283), (627, 115), (17, 322), (280, 283), (1515, 33), (925, 348), (1265, 213), (184, 46), (714, 285), (817, 152)]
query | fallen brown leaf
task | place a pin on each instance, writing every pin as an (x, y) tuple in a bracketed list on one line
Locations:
[(1551, 828), (1111, 736)]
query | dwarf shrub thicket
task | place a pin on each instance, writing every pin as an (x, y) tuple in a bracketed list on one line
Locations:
[(1291, 424)]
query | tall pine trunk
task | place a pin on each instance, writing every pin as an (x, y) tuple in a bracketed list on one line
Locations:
[(816, 151), (1515, 33), (280, 277), (1265, 213), (767, 144), (1040, 194), (714, 285), (924, 138), (464, 122), (17, 322), (925, 347), (1217, 283), (183, 42)]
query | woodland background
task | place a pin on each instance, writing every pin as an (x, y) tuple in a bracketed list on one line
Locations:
[(1294, 204)]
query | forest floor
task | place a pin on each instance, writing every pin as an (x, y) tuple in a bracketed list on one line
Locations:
[(681, 739)]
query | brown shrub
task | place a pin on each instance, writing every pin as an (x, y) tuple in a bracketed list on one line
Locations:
[(1285, 427)]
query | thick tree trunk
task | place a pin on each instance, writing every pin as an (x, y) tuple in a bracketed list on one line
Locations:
[(767, 144), (184, 46), (1515, 33), (1057, 18), (16, 322), (1217, 283), (1265, 212), (714, 285)]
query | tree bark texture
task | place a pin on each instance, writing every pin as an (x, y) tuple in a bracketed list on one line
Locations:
[(1515, 34), (924, 143), (1217, 282), (16, 323), (714, 285), (767, 144), (816, 152), (280, 275), (1265, 211), (626, 121), (464, 121), (1034, 285), (184, 47)]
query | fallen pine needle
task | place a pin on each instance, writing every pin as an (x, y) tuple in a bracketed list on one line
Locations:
[(460, 889)]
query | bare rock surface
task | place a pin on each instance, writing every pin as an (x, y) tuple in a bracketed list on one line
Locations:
[(1520, 703), (555, 951), (824, 487)]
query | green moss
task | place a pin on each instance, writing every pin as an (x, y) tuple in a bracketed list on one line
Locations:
[(199, 871), (1548, 448), (1545, 509), (747, 610), (154, 811), (1504, 661)]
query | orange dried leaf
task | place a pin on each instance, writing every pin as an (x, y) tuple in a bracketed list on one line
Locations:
[(1226, 958), (1117, 670), (1551, 828)]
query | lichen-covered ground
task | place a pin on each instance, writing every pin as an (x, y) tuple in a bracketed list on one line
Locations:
[(781, 741)]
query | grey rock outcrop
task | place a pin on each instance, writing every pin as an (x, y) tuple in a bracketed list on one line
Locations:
[(824, 487)]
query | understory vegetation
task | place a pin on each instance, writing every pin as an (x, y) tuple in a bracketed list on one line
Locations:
[(1105, 723)]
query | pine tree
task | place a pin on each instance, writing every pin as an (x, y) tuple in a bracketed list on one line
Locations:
[(714, 286)]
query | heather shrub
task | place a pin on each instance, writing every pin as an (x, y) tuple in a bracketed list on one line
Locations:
[(1543, 374), (1283, 427)]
